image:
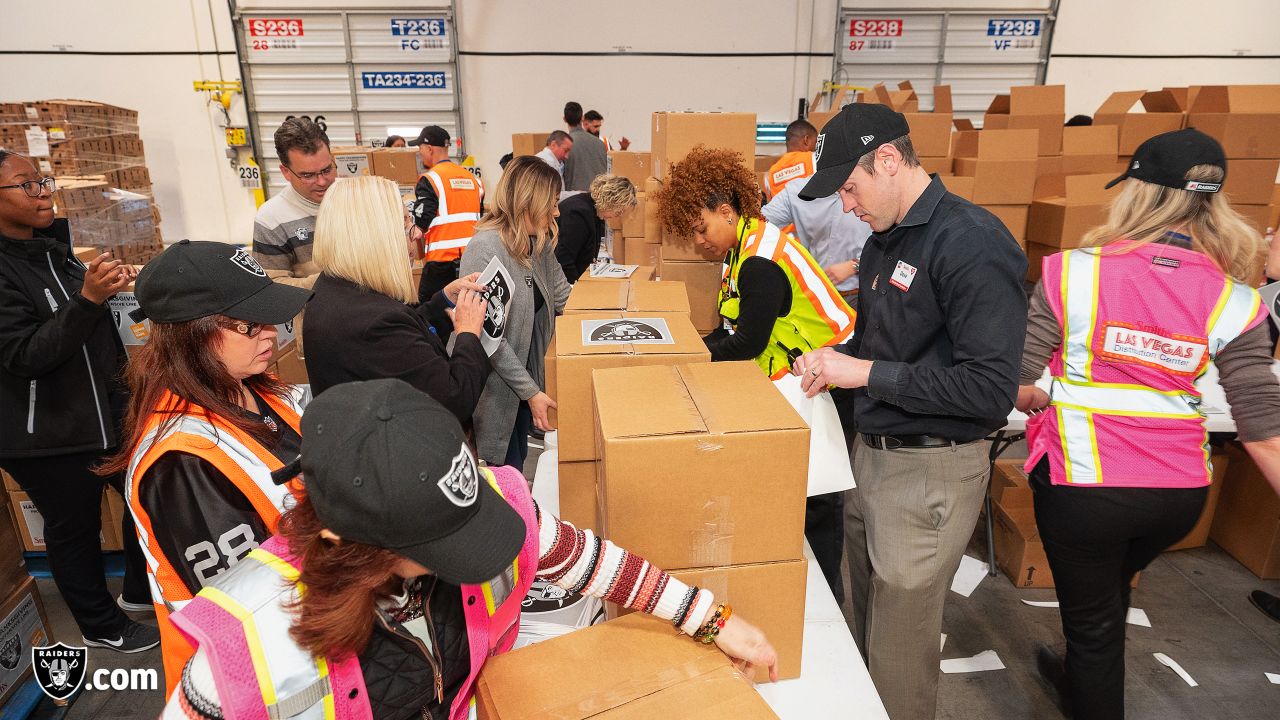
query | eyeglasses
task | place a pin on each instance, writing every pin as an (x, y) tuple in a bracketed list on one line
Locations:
[(33, 188), (311, 176), (243, 327)]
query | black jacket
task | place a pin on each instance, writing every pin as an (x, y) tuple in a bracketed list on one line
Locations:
[(581, 232), (353, 334), (61, 359)]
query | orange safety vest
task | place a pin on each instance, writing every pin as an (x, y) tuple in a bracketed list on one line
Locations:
[(460, 195), (243, 460), (792, 166)]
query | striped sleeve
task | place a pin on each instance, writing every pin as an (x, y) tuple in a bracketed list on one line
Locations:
[(579, 561)]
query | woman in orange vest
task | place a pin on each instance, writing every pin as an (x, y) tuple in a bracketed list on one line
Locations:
[(210, 436)]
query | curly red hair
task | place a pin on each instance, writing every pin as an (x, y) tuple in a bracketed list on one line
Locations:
[(706, 178)]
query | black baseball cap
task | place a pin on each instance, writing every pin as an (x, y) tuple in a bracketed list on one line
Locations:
[(194, 279), (1166, 158), (855, 131), (432, 135), (386, 465)]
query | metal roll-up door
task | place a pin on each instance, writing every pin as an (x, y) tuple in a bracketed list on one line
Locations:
[(362, 72), (980, 53)]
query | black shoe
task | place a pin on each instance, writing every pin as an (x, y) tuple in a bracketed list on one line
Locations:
[(1266, 602), (135, 637), (1054, 672)]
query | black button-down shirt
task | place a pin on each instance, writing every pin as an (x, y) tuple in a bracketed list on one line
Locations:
[(943, 315)]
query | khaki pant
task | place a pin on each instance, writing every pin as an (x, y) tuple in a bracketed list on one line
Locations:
[(906, 527)]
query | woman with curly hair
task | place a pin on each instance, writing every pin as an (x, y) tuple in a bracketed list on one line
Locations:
[(776, 301)]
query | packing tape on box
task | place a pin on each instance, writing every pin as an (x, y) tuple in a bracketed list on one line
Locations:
[(712, 541), (703, 670)]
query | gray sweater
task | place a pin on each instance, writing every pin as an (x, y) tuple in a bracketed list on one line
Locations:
[(588, 159), (518, 361)]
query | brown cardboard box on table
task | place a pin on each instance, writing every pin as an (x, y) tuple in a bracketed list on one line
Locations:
[(1163, 114), (1251, 182), (1243, 118), (23, 625), (635, 166), (584, 342), (579, 493), (594, 295), (528, 143), (676, 133), (1199, 534), (1061, 222), (702, 281), (682, 248), (1090, 149), (633, 220), (1031, 107), (701, 465), (639, 251), (625, 669), (1019, 551), (1246, 522), (352, 161), (399, 164), (1002, 164)]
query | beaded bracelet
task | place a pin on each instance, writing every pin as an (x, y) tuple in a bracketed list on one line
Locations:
[(682, 611), (711, 628)]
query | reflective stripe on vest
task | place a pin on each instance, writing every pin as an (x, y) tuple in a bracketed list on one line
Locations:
[(455, 217)]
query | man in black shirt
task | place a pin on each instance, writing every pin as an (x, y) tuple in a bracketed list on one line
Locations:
[(934, 357)]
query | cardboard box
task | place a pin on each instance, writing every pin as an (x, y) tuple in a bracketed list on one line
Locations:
[(1251, 182), (1036, 253), (13, 569), (820, 119), (29, 523), (1246, 522), (579, 493), (1199, 534), (635, 166), (903, 100), (713, 472), (400, 164), (289, 367), (1014, 218), (770, 596), (939, 165), (593, 296), (528, 143), (1089, 149), (676, 133), (353, 161), (1031, 107), (683, 249), (633, 220), (1002, 164), (959, 185), (639, 251), (9, 482), (1019, 551), (652, 232), (1162, 113), (702, 282), (23, 625), (1257, 216), (930, 133), (1243, 118), (571, 358), (1062, 222), (638, 668)]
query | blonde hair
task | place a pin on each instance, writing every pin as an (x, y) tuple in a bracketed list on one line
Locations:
[(360, 237), (1143, 212), (524, 206), (613, 192)]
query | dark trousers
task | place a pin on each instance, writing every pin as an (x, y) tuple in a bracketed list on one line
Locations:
[(518, 447), (1097, 539), (69, 495), (435, 275), (824, 529)]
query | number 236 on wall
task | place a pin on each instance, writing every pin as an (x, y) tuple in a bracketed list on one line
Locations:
[(274, 33)]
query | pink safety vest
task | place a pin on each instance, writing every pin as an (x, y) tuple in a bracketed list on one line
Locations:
[(242, 625), (1139, 326)]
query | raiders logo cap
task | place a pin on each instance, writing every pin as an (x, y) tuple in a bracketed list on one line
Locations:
[(1166, 158), (387, 465), (855, 131), (193, 279)]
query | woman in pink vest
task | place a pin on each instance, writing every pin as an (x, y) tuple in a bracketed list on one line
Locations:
[(1118, 453), (401, 571)]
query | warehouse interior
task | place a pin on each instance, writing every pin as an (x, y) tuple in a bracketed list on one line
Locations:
[(157, 121)]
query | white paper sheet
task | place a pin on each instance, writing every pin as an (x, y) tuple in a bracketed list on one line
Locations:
[(611, 270), (1138, 617), (968, 576), (942, 644), (1041, 603), (1274, 678), (985, 660), (37, 142), (1168, 661), (829, 469), (497, 285)]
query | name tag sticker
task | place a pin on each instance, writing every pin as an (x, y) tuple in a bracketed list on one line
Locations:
[(1152, 347), (903, 276), (462, 184)]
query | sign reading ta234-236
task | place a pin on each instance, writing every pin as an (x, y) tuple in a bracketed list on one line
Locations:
[(401, 80)]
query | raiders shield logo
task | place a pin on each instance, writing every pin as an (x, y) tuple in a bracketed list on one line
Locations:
[(60, 669), (817, 148), (461, 483), (625, 331), (247, 263), (352, 167), (11, 652)]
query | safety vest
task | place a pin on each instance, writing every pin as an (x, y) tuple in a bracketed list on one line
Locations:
[(792, 166), (1139, 326), (242, 622), (460, 194), (243, 460), (818, 316), (605, 139)]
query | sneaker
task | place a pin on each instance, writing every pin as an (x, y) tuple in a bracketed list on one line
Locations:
[(135, 637), (1266, 602), (133, 607)]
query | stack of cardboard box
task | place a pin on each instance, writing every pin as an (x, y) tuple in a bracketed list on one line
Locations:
[(1019, 550), (1002, 165), (930, 131), (1244, 118), (1247, 521), (23, 623), (636, 239), (108, 219), (528, 143), (608, 324), (708, 482), (403, 165), (1059, 222), (1162, 112)]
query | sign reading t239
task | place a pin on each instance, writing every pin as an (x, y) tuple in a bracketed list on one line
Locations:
[(398, 80)]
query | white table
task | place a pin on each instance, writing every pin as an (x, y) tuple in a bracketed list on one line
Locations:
[(833, 679)]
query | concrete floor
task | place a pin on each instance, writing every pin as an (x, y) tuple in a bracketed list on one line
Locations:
[(1197, 601)]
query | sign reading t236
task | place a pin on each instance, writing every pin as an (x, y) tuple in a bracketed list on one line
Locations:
[(399, 80), (415, 34)]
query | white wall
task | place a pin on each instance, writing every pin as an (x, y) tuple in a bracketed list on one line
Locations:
[(199, 193)]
